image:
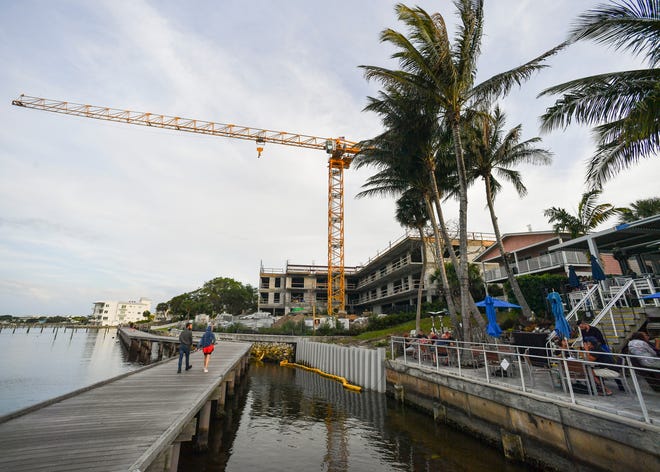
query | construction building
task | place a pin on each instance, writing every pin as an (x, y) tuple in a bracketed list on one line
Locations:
[(386, 283)]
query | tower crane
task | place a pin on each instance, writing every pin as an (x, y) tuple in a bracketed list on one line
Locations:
[(340, 151)]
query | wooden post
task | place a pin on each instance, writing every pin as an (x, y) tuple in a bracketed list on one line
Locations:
[(231, 380), (218, 396), (203, 423)]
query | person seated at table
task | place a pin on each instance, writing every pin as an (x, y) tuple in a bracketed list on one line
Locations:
[(591, 331), (639, 346), (596, 353)]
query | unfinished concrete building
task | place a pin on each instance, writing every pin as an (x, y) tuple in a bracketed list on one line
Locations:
[(388, 282)]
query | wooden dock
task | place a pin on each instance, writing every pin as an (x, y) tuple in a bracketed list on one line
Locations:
[(134, 422)]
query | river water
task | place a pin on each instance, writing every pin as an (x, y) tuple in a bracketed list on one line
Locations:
[(282, 419)]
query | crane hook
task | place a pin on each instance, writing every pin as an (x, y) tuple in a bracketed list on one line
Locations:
[(260, 146)]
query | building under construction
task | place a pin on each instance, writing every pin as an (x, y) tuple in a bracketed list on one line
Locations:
[(387, 283)]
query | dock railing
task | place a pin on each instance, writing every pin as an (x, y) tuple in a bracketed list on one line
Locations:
[(565, 375)]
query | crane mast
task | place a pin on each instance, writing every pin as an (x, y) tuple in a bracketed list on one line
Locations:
[(341, 153)]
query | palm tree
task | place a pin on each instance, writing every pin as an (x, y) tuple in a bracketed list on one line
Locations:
[(491, 154), (404, 155), (411, 213), (443, 74), (623, 106), (589, 215), (639, 209)]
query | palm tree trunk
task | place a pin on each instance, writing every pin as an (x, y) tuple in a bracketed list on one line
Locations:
[(420, 289), (527, 312), (452, 254), (464, 281), (451, 307), (472, 308)]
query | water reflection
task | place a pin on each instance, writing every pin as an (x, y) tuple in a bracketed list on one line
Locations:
[(295, 420), (45, 363)]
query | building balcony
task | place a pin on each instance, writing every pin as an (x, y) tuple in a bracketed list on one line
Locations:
[(543, 263), (384, 273), (405, 289)]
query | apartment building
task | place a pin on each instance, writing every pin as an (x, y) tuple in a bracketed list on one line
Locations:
[(529, 253), (388, 282), (113, 313)]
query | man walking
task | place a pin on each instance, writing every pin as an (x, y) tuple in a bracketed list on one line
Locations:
[(185, 343)]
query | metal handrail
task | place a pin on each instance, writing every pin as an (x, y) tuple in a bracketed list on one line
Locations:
[(608, 308), (579, 305), (470, 360)]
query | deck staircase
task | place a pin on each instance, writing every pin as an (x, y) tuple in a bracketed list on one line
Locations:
[(626, 321), (622, 309)]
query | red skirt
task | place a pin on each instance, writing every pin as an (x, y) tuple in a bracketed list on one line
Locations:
[(208, 349)]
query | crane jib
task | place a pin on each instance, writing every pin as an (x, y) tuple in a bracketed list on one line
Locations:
[(341, 154)]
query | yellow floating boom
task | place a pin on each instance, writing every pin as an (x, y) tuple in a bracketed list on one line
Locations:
[(343, 381)]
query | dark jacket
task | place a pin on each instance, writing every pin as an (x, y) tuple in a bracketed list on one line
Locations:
[(186, 338)]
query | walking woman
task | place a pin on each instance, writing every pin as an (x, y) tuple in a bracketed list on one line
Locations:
[(207, 345)]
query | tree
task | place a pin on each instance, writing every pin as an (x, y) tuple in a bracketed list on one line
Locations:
[(492, 154), (219, 295), (406, 154), (477, 288), (589, 215), (411, 213), (640, 209), (161, 307), (444, 74), (623, 106)]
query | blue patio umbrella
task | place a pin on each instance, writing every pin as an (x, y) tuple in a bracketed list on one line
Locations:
[(653, 295), (493, 329), (561, 325), (497, 303), (573, 280), (596, 270)]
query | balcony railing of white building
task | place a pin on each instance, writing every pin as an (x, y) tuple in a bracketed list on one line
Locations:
[(539, 263), (384, 272), (391, 291)]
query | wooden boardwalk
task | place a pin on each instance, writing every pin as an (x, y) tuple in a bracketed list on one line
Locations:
[(131, 422)]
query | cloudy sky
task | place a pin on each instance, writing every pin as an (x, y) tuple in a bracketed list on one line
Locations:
[(92, 210)]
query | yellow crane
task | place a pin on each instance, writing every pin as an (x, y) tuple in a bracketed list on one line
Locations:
[(341, 152)]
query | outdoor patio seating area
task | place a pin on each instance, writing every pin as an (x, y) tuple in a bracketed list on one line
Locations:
[(539, 372)]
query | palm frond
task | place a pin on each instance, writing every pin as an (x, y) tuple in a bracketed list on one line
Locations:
[(501, 84), (625, 25), (600, 98)]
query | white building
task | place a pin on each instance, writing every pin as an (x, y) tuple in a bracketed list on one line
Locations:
[(112, 313)]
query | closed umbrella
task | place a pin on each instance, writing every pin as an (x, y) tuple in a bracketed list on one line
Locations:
[(493, 329), (653, 295), (561, 325), (573, 280), (596, 270)]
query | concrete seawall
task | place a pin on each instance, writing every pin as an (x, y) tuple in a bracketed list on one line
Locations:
[(546, 433)]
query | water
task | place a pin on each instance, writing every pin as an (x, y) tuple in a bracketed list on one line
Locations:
[(43, 364), (281, 419), (291, 420)]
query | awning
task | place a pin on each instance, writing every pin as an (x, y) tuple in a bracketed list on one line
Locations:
[(638, 237)]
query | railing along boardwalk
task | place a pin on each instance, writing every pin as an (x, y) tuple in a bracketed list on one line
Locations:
[(131, 422)]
